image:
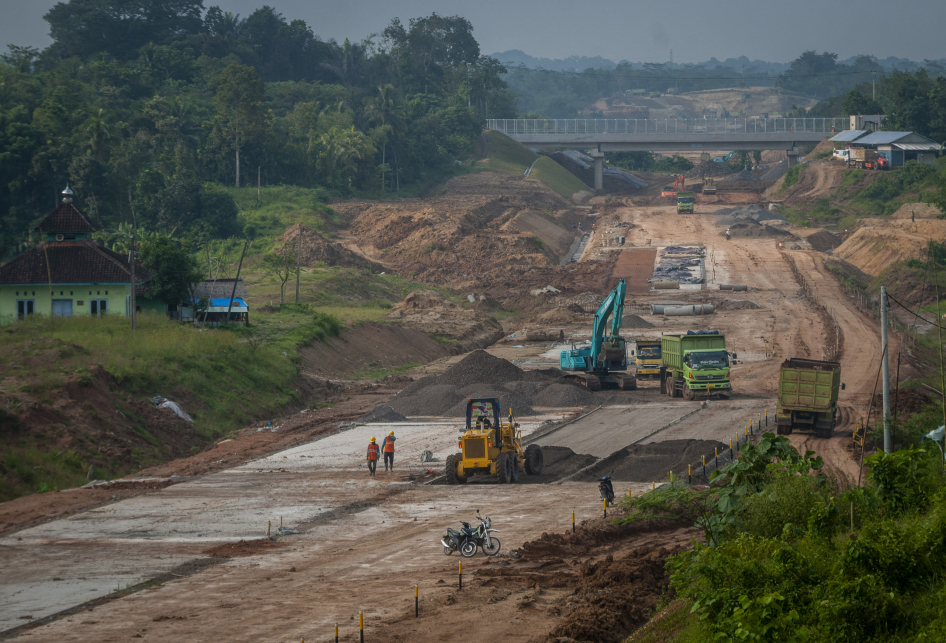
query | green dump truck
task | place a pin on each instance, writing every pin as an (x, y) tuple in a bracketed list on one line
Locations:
[(695, 364), (808, 396), (684, 203)]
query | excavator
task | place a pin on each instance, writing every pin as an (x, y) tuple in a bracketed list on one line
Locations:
[(596, 364)]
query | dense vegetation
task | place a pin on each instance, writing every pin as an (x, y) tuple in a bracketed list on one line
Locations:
[(793, 555), (153, 104)]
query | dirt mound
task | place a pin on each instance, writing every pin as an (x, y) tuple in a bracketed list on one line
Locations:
[(880, 243), (432, 313), (519, 403), (737, 304), (557, 395), (709, 168), (587, 302), (561, 316), (615, 596), (635, 321), (744, 175), (918, 211), (242, 548), (751, 212), (559, 462), (480, 366), (316, 249), (652, 462), (431, 400), (823, 240), (750, 229), (383, 413)]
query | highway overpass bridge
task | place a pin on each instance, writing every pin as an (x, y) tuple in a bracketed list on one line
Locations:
[(669, 135)]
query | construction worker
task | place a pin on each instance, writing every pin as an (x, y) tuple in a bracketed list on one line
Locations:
[(388, 449), (373, 452), (727, 234)]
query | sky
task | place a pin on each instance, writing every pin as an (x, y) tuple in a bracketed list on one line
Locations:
[(634, 30)]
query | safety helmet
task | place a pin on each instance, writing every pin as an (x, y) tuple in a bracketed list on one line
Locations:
[(372, 439), (391, 433)]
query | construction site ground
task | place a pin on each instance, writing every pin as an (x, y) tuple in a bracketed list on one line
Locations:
[(188, 558)]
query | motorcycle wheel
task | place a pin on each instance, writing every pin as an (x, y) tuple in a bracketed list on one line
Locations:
[(468, 549), (492, 551), (448, 551)]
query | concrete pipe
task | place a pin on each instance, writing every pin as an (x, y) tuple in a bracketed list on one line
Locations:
[(704, 309), (735, 287), (666, 285), (657, 309), (679, 311)]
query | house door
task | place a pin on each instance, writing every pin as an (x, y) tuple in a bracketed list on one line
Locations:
[(24, 307), (62, 307), (98, 307)]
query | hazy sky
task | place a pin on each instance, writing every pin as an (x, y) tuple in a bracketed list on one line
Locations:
[(635, 30)]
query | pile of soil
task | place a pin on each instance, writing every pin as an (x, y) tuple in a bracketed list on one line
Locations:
[(917, 211), (750, 229), (561, 316), (709, 168), (652, 462), (563, 394), (824, 240), (587, 302), (242, 548), (737, 304), (635, 321), (744, 175), (383, 413), (433, 314), (316, 249), (752, 212)]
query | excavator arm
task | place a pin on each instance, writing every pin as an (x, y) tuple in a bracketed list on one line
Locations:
[(613, 307)]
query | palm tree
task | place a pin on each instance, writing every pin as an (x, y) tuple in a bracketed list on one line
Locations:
[(386, 111)]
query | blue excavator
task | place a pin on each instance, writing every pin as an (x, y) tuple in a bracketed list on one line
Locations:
[(605, 359)]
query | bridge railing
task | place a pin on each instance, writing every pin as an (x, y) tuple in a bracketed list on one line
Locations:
[(559, 126)]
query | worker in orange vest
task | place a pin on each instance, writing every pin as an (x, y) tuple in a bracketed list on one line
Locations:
[(373, 452), (388, 448)]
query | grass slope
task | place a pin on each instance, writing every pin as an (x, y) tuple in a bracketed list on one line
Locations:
[(509, 157)]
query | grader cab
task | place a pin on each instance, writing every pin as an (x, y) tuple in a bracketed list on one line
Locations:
[(490, 448)]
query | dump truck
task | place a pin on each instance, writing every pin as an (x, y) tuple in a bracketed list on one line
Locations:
[(684, 203), (869, 159), (695, 364), (647, 358), (808, 396)]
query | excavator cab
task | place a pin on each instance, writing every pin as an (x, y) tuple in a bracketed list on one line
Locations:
[(490, 448)]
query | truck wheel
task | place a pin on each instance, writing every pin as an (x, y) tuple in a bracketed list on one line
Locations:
[(534, 460), (783, 429), (687, 392), (505, 467), (824, 434), (663, 385), (451, 469)]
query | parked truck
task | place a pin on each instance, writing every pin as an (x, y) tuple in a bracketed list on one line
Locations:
[(695, 364), (808, 396), (869, 159), (647, 357), (684, 203)]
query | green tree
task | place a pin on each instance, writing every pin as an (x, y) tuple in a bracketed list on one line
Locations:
[(281, 264), (239, 99), (175, 271)]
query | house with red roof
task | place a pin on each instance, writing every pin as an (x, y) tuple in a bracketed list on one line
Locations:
[(70, 274)]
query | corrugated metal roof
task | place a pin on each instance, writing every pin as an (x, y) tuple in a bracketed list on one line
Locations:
[(849, 135), (882, 138), (918, 147)]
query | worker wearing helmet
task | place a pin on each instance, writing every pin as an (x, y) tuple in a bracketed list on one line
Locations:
[(373, 451), (388, 448)]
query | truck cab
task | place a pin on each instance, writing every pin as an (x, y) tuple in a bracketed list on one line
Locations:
[(696, 364), (648, 359), (684, 203)]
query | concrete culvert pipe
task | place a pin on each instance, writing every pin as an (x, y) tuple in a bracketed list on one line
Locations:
[(657, 309), (687, 311), (666, 285), (735, 287)]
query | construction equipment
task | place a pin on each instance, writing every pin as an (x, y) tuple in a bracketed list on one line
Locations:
[(647, 357), (679, 184), (684, 203), (695, 364), (709, 187), (808, 396), (595, 364), (863, 158), (490, 448)]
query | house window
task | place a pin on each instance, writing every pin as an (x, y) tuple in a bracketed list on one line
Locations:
[(24, 307), (98, 307)]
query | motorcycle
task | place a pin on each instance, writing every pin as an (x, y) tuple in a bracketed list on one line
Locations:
[(468, 539), (606, 489)]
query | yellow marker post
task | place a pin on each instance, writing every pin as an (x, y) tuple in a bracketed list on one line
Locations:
[(747, 432), (416, 602), (361, 626), (653, 486), (730, 447), (689, 474), (766, 417), (461, 574), (605, 502), (671, 477), (336, 633), (628, 493), (573, 522)]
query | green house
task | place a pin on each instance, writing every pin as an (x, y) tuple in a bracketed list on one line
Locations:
[(71, 274)]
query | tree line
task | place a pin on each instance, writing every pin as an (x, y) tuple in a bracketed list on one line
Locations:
[(157, 104)]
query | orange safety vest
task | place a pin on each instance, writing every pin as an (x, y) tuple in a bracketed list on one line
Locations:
[(373, 451), (388, 445)]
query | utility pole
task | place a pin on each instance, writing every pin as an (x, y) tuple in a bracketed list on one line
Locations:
[(235, 282), (298, 263), (258, 174), (873, 85), (888, 446), (131, 260)]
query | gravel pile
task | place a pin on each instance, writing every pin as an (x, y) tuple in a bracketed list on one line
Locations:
[(383, 413), (745, 175), (586, 301), (709, 168), (776, 172), (555, 395), (635, 321), (479, 366), (729, 216)]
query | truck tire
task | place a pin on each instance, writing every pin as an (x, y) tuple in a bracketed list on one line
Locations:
[(451, 469), (663, 384), (505, 467), (825, 433), (687, 392), (783, 429), (534, 460)]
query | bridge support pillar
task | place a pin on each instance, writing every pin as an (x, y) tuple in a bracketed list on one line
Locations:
[(793, 156), (599, 169)]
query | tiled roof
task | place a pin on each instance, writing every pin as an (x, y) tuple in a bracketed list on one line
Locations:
[(71, 262), (66, 218)]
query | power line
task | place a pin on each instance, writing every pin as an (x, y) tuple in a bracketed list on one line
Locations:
[(917, 315)]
